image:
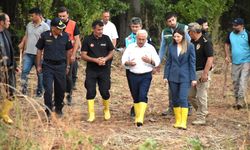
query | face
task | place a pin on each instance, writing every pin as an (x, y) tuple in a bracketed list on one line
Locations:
[(98, 31), (105, 17), (237, 28), (6, 23), (56, 31), (171, 22), (205, 26), (64, 16), (35, 17), (135, 27), (141, 39), (178, 38), (191, 34)]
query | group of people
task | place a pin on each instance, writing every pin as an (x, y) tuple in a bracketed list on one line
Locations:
[(188, 51)]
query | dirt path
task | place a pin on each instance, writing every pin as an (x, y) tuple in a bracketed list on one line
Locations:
[(226, 128)]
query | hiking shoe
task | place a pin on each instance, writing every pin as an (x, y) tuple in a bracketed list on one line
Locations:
[(39, 94), (190, 111), (69, 100), (59, 113), (168, 112), (132, 112), (199, 122)]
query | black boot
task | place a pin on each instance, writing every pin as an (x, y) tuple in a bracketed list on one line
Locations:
[(132, 112)]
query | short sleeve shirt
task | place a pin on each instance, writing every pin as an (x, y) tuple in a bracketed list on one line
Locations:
[(203, 50), (33, 33), (55, 49), (240, 47), (97, 47), (110, 30)]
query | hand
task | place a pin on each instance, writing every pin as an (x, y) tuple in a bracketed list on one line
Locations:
[(194, 83), (67, 71), (146, 59), (154, 70), (131, 62), (165, 81), (72, 58), (101, 61), (227, 60), (21, 45), (39, 69), (158, 68), (18, 70), (204, 77)]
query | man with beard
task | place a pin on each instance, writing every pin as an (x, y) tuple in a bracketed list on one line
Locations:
[(74, 36), (7, 70), (238, 40)]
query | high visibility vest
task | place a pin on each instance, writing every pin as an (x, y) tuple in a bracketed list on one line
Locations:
[(70, 30)]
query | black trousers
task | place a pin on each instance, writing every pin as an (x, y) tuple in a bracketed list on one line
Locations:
[(69, 82), (74, 72), (54, 76), (8, 78), (100, 77)]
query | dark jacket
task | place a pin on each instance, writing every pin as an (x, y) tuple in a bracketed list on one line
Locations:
[(180, 68)]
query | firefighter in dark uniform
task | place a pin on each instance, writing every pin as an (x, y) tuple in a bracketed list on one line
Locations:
[(7, 70), (55, 46), (97, 50)]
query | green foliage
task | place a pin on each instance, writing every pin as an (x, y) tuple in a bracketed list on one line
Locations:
[(195, 144), (149, 144)]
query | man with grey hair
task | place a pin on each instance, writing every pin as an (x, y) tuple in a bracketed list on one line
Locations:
[(204, 60), (135, 25), (141, 58)]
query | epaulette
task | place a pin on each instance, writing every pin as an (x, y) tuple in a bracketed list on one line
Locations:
[(205, 40)]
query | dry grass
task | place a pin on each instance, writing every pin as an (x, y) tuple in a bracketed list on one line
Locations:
[(226, 128)]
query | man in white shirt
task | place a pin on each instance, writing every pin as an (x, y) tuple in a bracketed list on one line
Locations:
[(109, 28), (141, 58)]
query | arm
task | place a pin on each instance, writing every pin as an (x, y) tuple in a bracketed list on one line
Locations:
[(227, 53), (22, 44), (75, 48), (38, 60), (114, 42), (192, 62), (167, 66), (162, 50)]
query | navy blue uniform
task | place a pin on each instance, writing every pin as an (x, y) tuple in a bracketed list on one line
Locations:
[(95, 48), (54, 66)]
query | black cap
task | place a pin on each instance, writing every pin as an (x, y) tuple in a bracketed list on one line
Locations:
[(238, 21), (57, 22), (201, 21)]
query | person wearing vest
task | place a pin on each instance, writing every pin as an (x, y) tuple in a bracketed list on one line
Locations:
[(238, 41), (74, 36), (166, 40), (7, 73)]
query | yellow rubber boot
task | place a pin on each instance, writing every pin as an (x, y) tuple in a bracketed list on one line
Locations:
[(184, 115), (142, 110), (91, 109), (177, 114), (7, 106), (106, 110), (136, 107)]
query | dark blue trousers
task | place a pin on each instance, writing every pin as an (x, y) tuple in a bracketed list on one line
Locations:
[(140, 84), (54, 76), (179, 93)]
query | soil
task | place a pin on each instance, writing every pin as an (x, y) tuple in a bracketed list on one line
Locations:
[(226, 127)]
